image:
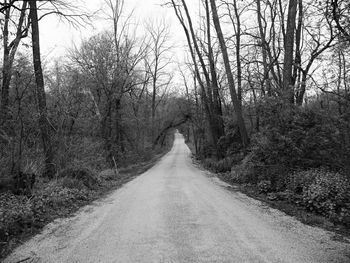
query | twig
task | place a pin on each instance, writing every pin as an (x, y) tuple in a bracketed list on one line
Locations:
[(22, 260), (115, 167)]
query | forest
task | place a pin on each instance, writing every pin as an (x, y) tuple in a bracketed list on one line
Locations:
[(262, 97)]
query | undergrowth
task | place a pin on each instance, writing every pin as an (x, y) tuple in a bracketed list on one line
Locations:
[(75, 185), (299, 155)]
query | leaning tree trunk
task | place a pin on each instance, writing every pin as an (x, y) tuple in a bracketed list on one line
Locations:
[(50, 168), (234, 97)]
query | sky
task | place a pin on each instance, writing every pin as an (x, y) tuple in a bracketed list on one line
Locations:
[(58, 36)]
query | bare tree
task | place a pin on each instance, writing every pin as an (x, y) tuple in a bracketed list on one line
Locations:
[(264, 49), (194, 53), (206, 77), (235, 17), (44, 124), (9, 51), (318, 40), (214, 85), (234, 97), (157, 60), (340, 13)]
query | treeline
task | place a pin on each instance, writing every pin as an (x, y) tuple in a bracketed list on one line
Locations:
[(108, 103), (270, 98), (74, 127)]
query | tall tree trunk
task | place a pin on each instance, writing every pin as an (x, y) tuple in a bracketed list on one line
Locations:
[(50, 168), (193, 51), (216, 103), (9, 53), (288, 89), (153, 105), (298, 38), (6, 71), (264, 47), (301, 92), (238, 52), (234, 97)]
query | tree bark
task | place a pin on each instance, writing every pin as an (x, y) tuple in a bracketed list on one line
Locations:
[(298, 39), (203, 92), (288, 90), (216, 103), (9, 53), (50, 168), (264, 46), (6, 71), (234, 97), (336, 13), (238, 52)]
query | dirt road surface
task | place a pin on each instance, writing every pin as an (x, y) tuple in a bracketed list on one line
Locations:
[(176, 212)]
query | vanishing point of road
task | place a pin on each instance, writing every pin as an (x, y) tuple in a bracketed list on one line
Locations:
[(176, 212)]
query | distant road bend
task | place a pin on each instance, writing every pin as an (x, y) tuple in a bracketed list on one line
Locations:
[(176, 212)]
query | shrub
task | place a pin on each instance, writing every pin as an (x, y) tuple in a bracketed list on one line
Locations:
[(206, 150), (80, 176), (231, 141), (316, 137), (299, 181), (294, 138), (80, 151), (108, 175), (329, 195), (236, 176), (55, 196), (72, 183), (5, 164), (220, 166), (246, 171), (15, 213), (264, 186)]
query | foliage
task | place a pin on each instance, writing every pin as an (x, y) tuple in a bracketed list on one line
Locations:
[(79, 151), (264, 186), (15, 213), (297, 138), (77, 174), (108, 106), (58, 197), (230, 143), (329, 195), (221, 166), (245, 172), (299, 181), (301, 155)]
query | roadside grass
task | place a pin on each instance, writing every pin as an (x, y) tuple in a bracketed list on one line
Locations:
[(298, 212), (286, 205), (22, 217)]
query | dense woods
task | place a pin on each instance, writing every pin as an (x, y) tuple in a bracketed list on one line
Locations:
[(264, 98), (108, 103), (270, 103)]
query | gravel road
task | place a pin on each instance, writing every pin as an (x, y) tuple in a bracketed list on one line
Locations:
[(176, 212)]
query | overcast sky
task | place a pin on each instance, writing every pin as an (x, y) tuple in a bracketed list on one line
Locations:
[(57, 36)]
